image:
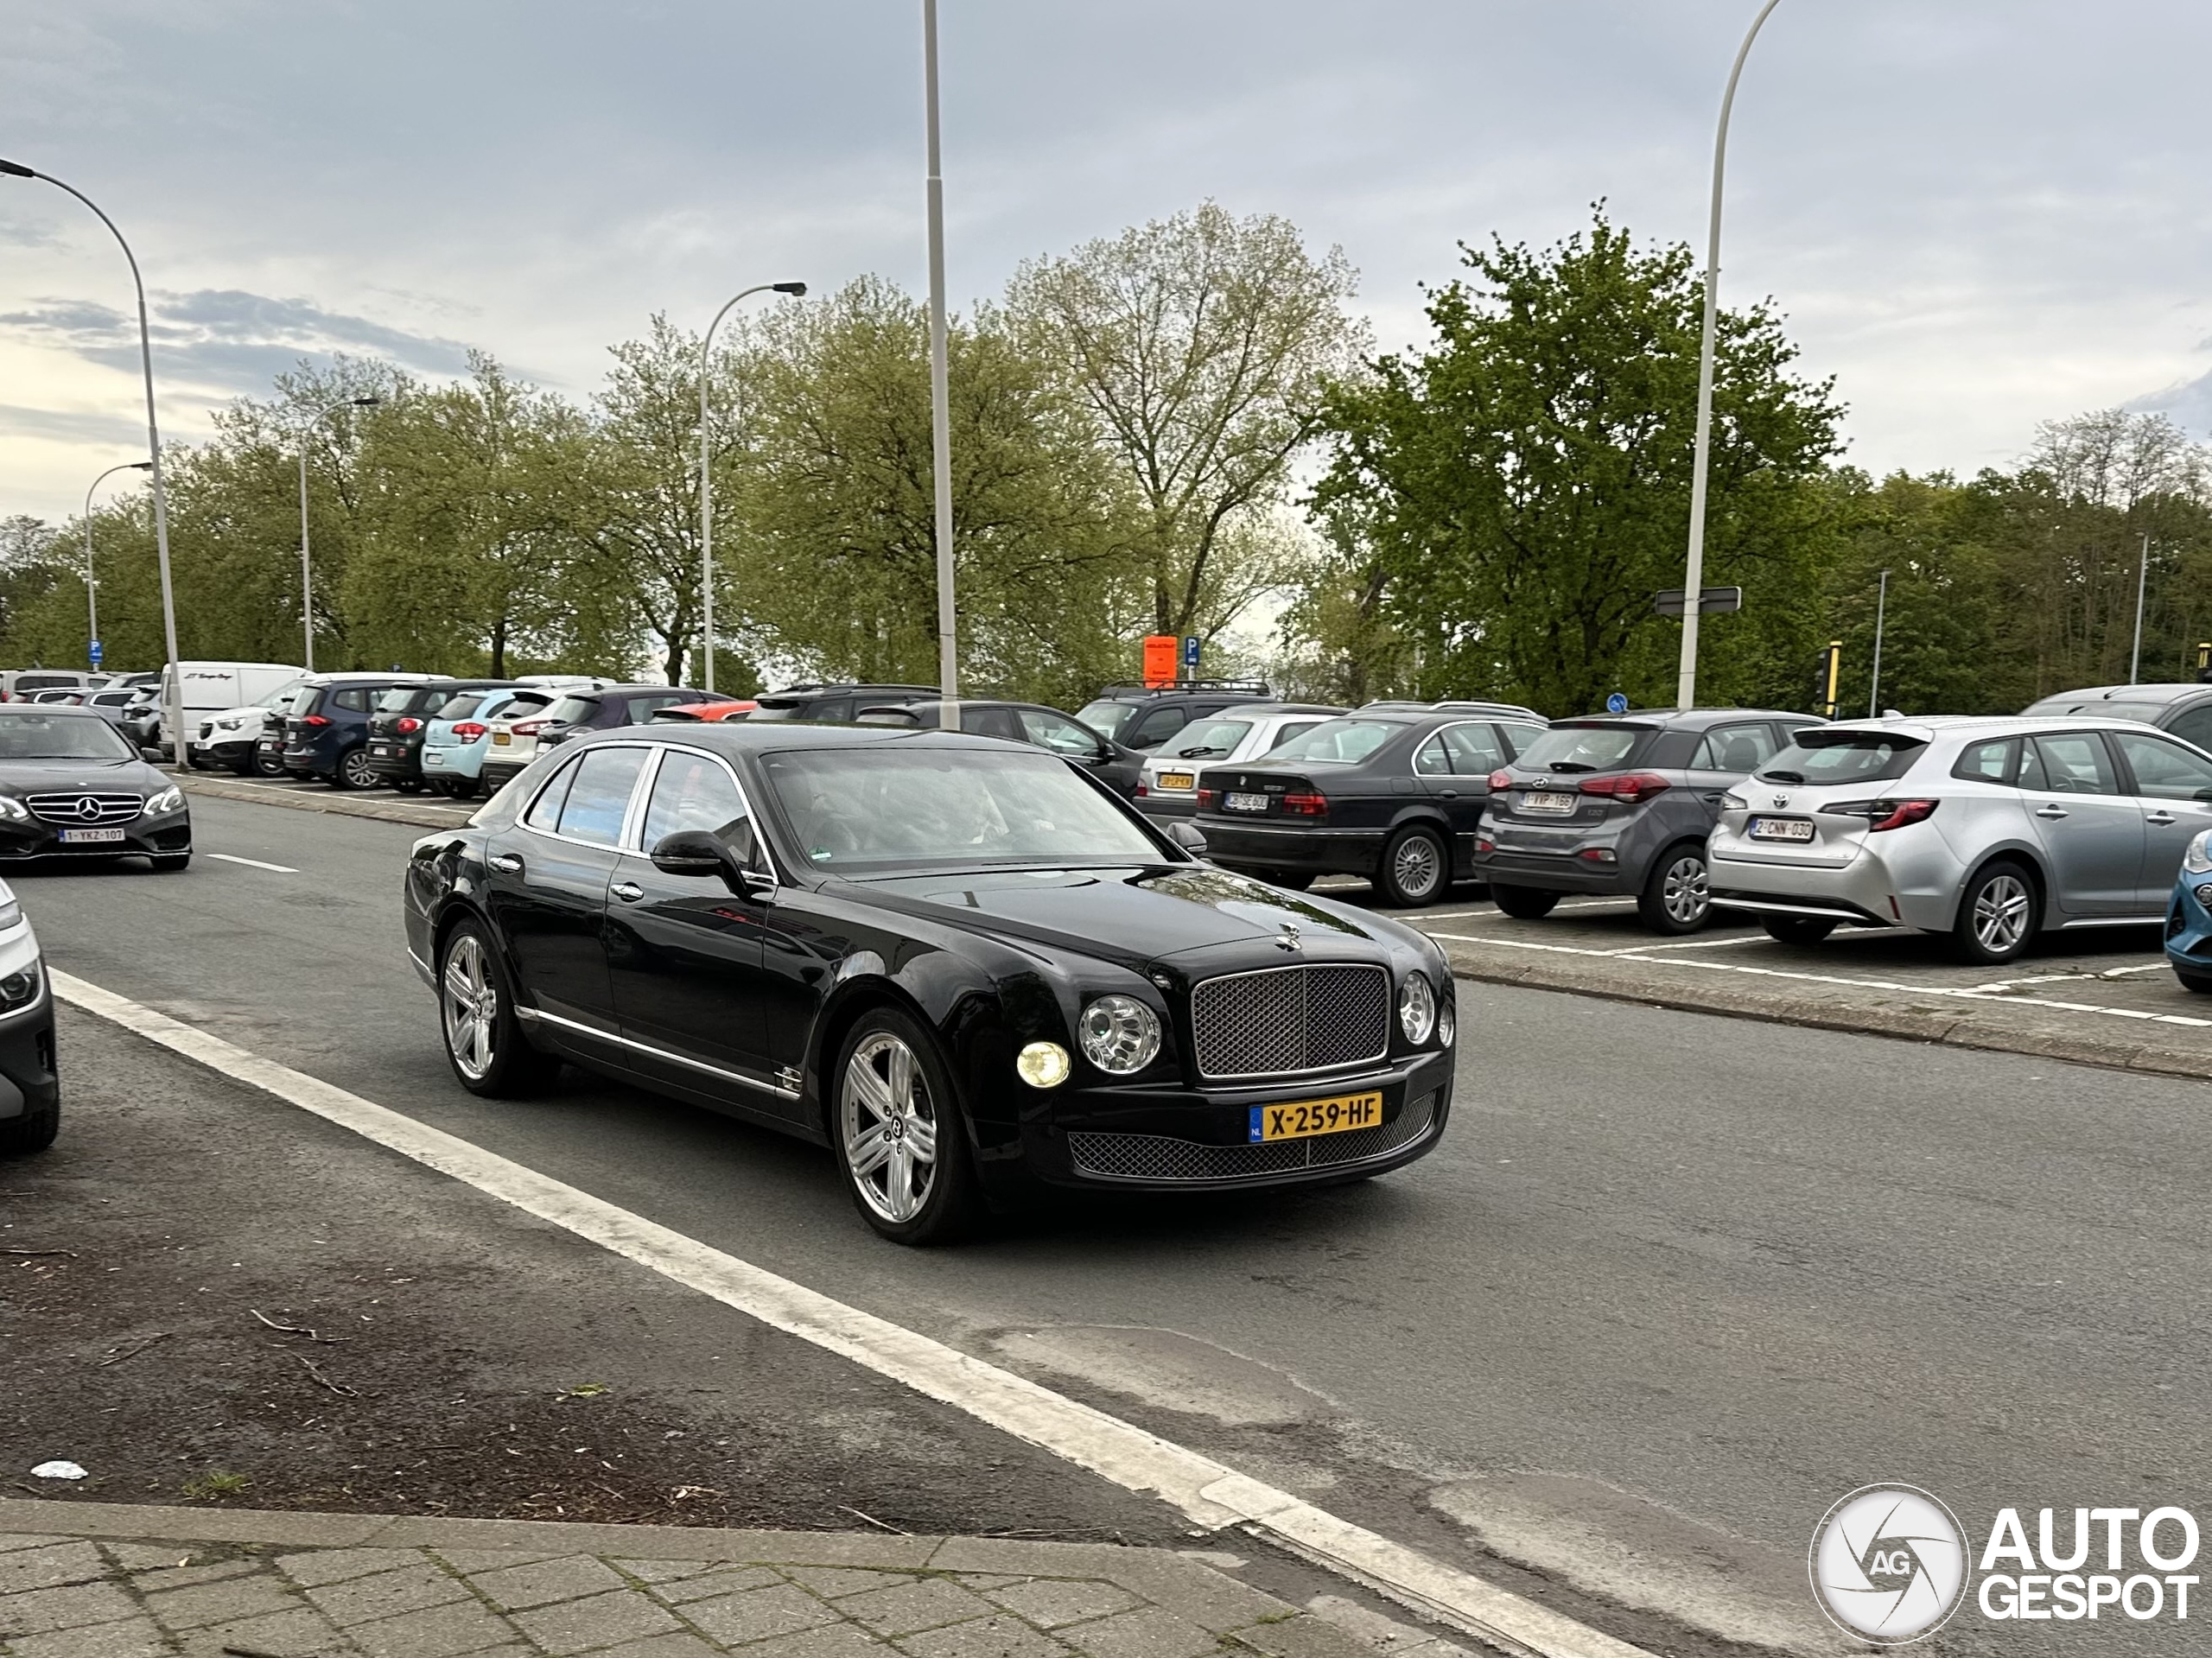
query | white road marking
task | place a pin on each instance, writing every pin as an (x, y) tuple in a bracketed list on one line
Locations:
[(1209, 1493), (255, 863), (1960, 993)]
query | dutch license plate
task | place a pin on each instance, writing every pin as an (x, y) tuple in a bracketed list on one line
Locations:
[(1549, 802), (1310, 1117), (500, 739), (1178, 779), (1782, 829), (432, 756), (75, 838), (1245, 802)]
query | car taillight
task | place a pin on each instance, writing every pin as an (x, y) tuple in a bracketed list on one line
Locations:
[(315, 720), (1884, 814), (1207, 798), (1141, 790), (1501, 780), (528, 728), (1629, 788), (1307, 805), (410, 724), (468, 731)]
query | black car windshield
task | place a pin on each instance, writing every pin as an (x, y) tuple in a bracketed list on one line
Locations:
[(1338, 742), (1107, 717), (1843, 757), (1582, 748), (570, 709), (893, 806), (28, 736)]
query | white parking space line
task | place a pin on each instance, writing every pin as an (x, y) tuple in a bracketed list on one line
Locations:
[(1211, 1494), (253, 863), (1694, 943), (1960, 993), (1494, 915)]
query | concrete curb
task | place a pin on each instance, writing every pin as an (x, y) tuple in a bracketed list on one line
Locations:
[(333, 804), (1957, 1030)]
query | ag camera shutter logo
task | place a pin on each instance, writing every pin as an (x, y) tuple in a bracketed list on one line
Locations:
[(1889, 1564)]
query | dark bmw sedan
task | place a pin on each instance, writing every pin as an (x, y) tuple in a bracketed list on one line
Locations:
[(966, 969), (72, 785), (1394, 794)]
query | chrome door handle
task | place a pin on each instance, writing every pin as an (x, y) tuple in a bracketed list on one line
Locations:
[(629, 892), (506, 863), (2161, 818), (2051, 811)]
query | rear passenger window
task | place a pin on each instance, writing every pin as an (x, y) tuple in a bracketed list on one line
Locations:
[(600, 795), (1291, 728), (1989, 762), (1474, 749), (1738, 749), (2072, 763), (1433, 761), (1521, 736), (354, 699), (1156, 726), (544, 812), (2195, 727)]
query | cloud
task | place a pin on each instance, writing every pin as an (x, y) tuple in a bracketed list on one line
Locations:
[(64, 427), (226, 339), (2190, 403)]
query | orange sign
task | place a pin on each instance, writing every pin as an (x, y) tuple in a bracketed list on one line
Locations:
[(1163, 656)]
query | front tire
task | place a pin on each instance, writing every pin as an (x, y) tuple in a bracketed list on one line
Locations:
[(1677, 896), (352, 771), (899, 1134), (34, 1131), (484, 1040), (1522, 903), (1415, 869), (1997, 916), (1802, 930)]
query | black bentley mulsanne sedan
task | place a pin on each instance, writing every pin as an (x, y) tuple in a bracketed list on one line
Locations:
[(963, 965), (72, 785)]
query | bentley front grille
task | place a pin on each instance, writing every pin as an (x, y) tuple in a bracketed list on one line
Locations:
[(1283, 1020)]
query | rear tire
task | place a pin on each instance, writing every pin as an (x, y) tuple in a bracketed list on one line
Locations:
[(1677, 896), (1997, 916), (1522, 903), (462, 787), (1802, 930), (1415, 869), (896, 1124), (2197, 983), (484, 1040), (264, 765), (352, 771), (32, 1132)]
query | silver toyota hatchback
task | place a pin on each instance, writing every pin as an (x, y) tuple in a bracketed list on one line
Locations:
[(1990, 830)]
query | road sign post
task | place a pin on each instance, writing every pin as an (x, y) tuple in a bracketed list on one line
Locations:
[(96, 653), (1831, 677), (1712, 601), (1191, 647)]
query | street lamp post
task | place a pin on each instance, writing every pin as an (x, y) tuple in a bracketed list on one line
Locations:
[(307, 570), (1881, 615), (796, 290), (1686, 683), (175, 699), (92, 587), (2142, 582), (948, 644)]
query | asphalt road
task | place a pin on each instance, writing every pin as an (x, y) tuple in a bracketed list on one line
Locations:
[(1674, 1285)]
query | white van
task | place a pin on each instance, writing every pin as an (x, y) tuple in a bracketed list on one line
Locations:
[(212, 688)]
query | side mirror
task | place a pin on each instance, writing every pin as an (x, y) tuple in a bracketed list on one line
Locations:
[(155, 755), (1188, 837), (690, 851)]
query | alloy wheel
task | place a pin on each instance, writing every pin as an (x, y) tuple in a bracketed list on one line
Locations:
[(357, 771), (890, 1126), (1686, 890), (471, 1006), (2000, 913), (1415, 867)]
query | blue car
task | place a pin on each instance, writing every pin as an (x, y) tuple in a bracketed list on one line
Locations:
[(2189, 918), (458, 735)]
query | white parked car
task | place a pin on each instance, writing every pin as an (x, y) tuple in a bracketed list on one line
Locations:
[(1989, 830), (1168, 787), (227, 738)]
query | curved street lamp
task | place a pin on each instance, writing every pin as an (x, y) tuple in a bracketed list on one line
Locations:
[(306, 571), (796, 290), (1693, 584), (92, 587), (176, 701)]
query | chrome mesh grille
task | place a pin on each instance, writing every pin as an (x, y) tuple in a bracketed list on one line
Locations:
[(70, 808), (1284, 1020), (1157, 1157)]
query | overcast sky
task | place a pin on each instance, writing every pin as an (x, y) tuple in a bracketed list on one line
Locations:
[(1977, 215)]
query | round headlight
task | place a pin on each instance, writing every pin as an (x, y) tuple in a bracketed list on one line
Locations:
[(1447, 1027), (2198, 859), (1120, 1034), (20, 989), (1043, 1065), (1416, 1009)]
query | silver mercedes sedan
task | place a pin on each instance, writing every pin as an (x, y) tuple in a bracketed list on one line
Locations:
[(1989, 830)]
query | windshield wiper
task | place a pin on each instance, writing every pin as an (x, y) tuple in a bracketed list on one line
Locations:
[(1797, 777), (1192, 753)]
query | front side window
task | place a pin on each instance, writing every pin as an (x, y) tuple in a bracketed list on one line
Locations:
[(691, 791), (2164, 770), (1062, 736), (2071, 763), (1339, 742), (599, 796), (1156, 726), (1107, 716)]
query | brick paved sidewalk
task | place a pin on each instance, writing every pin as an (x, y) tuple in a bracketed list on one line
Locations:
[(99, 1580)]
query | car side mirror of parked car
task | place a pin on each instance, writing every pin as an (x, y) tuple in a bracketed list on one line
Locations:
[(695, 852), (1189, 837), (155, 755)]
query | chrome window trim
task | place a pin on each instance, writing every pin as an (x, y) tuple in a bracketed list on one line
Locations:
[(629, 811), (1380, 1055), (534, 1016)]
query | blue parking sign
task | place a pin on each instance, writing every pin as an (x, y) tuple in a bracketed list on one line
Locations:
[(96, 653), (1191, 656)]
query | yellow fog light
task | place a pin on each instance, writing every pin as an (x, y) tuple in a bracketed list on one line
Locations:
[(1043, 1065)]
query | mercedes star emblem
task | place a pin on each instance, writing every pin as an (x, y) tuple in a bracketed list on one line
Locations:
[(88, 809)]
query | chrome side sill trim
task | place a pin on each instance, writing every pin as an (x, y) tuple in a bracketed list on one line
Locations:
[(533, 1016)]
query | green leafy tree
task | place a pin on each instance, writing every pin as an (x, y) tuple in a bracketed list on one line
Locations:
[(1527, 480)]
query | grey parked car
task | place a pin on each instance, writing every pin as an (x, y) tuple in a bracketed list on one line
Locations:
[(1990, 829), (2184, 709), (1622, 805)]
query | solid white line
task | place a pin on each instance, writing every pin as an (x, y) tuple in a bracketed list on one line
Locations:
[(255, 863), (1209, 1493)]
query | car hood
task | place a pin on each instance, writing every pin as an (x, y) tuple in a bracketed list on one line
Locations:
[(1133, 916), (91, 777)]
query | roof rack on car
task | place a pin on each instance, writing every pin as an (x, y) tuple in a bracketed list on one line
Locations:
[(1259, 686)]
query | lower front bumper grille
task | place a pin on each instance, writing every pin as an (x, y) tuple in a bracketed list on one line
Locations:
[(1156, 1157)]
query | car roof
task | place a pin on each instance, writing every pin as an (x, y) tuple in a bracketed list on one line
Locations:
[(1686, 719), (71, 708), (2165, 691), (1930, 727), (786, 736)]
